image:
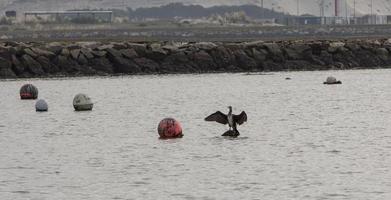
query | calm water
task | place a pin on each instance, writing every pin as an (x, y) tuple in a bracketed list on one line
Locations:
[(303, 140)]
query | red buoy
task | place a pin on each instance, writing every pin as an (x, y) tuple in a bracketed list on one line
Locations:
[(28, 91), (169, 128)]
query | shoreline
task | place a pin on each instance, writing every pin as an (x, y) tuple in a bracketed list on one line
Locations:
[(254, 73), (84, 59)]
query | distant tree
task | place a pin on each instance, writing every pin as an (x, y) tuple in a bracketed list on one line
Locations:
[(5, 21)]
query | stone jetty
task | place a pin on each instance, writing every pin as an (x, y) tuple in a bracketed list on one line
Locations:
[(58, 59)]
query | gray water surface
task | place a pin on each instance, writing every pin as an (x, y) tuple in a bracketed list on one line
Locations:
[(303, 139)]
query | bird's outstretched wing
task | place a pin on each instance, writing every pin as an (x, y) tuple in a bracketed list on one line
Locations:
[(240, 119), (218, 117)]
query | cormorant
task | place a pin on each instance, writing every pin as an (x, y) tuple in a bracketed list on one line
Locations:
[(229, 119)]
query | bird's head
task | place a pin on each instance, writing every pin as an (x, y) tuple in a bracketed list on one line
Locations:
[(230, 107)]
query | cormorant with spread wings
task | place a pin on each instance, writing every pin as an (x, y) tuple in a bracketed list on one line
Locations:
[(230, 119)]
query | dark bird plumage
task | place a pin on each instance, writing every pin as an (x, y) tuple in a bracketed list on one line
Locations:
[(230, 119)]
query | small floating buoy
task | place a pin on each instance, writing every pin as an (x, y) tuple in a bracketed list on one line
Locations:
[(287, 78), (331, 81), (28, 91), (82, 102), (41, 106), (169, 128)]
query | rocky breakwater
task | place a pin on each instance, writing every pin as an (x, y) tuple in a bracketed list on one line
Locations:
[(35, 59)]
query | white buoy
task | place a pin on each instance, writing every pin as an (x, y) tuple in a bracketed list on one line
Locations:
[(332, 80), (82, 102), (41, 106)]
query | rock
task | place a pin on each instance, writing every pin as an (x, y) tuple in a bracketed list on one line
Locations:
[(273, 48), (41, 52), (121, 65), (147, 65), (102, 64), (274, 51), (382, 53), (175, 63), (72, 47), (45, 63), (5, 52), (119, 45), (244, 61), (205, 45), (223, 57), (4, 63), (326, 57), (292, 54), (353, 46), (32, 65), (66, 65), (139, 48), (87, 53), (12, 43), (317, 48), (297, 51), (75, 53), (65, 52), (129, 53), (105, 47), (82, 59), (156, 48), (99, 53), (30, 52), (5, 69), (88, 45), (259, 56), (374, 42), (388, 42), (17, 66), (339, 65), (254, 44), (7, 73), (55, 47), (179, 57), (113, 53), (335, 46), (171, 48), (204, 61)]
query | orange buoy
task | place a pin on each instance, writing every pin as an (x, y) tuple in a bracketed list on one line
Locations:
[(169, 128)]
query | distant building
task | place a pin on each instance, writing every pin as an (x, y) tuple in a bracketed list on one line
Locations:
[(10, 14), (70, 16), (303, 20)]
